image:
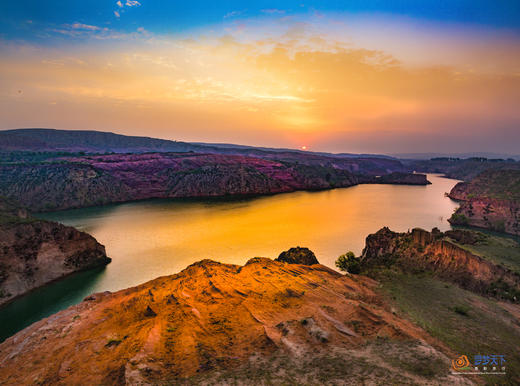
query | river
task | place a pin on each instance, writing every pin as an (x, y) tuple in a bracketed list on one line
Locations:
[(152, 238)]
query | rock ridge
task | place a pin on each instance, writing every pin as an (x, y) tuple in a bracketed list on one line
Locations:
[(438, 253)]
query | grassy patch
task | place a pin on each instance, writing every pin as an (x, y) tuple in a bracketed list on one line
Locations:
[(469, 324), (402, 360), (500, 250), (461, 310)]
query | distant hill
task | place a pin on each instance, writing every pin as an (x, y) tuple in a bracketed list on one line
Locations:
[(283, 150), (461, 169), (91, 141), (87, 141), (427, 156)]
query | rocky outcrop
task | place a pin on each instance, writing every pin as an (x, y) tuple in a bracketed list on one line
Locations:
[(35, 252), (435, 252), (491, 200), (298, 255), (214, 319)]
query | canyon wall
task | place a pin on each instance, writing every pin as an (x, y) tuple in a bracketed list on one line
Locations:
[(73, 182), (436, 252), (491, 200)]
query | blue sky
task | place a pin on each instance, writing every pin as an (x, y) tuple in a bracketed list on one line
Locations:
[(30, 20)]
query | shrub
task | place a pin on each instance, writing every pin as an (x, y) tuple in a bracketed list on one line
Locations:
[(461, 310), (349, 263), (459, 219)]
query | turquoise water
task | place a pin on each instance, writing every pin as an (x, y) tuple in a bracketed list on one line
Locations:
[(154, 238)]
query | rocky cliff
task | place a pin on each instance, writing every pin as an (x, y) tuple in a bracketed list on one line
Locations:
[(491, 200), (438, 253), (35, 252), (94, 180), (213, 323), (72, 182), (298, 255)]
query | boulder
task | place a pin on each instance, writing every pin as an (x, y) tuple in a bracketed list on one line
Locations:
[(298, 255)]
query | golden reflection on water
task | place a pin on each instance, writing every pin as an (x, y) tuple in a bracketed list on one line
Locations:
[(155, 238)]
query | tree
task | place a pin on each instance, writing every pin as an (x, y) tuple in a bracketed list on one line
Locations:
[(349, 263)]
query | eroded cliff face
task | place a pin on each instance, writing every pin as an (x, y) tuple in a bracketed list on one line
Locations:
[(35, 252), (436, 252), (491, 200), (73, 182), (94, 180), (265, 317), (487, 213)]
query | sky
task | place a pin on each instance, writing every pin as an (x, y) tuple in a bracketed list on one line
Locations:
[(371, 76)]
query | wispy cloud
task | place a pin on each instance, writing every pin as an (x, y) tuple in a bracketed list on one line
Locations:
[(121, 6), (87, 27), (79, 29), (273, 11), (232, 14), (93, 32)]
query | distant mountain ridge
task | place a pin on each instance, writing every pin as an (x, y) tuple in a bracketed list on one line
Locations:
[(91, 141), (282, 150), (476, 154), (87, 141)]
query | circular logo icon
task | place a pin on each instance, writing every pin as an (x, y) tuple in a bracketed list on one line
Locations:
[(460, 363)]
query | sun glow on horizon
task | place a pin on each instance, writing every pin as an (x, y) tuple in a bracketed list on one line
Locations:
[(251, 83)]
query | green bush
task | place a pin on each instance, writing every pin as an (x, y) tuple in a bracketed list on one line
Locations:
[(349, 263), (461, 310), (459, 219)]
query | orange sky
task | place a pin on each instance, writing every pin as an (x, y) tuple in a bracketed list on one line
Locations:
[(328, 83)]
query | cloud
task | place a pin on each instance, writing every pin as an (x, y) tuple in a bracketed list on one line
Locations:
[(310, 84), (272, 11), (88, 32), (81, 30), (232, 14), (121, 7), (85, 27)]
